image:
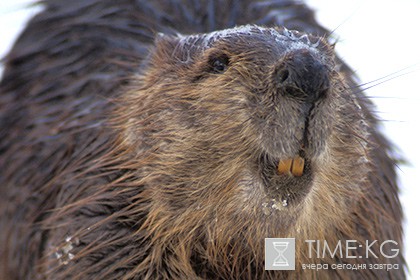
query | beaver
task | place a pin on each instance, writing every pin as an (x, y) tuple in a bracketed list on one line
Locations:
[(167, 139)]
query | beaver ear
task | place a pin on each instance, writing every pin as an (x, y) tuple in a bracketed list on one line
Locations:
[(166, 41), (166, 46), (177, 49)]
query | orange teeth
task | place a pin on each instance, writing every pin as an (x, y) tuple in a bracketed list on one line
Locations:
[(285, 166), (297, 166), (292, 166)]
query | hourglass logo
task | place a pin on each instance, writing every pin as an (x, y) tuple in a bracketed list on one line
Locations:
[(279, 254)]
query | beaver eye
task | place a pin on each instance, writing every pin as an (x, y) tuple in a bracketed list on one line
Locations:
[(219, 64)]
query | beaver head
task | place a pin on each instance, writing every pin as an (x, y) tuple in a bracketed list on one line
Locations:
[(244, 133)]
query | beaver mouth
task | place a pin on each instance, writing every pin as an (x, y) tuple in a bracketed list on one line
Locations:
[(292, 166), (286, 179)]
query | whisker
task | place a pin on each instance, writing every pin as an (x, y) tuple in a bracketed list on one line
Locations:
[(391, 75), (380, 81), (329, 34)]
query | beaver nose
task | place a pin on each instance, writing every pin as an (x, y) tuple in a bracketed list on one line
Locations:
[(301, 76)]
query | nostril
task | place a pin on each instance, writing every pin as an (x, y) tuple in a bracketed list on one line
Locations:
[(302, 75), (283, 75)]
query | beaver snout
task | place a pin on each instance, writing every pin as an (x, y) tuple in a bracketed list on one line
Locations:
[(302, 76)]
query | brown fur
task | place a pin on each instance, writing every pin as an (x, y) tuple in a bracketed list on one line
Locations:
[(128, 157)]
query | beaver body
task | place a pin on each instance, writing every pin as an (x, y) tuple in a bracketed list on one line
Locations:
[(127, 154)]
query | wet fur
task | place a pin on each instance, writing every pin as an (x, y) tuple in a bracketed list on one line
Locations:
[(106, 152)]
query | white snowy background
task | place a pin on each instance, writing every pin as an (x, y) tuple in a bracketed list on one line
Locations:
[(377, 38)]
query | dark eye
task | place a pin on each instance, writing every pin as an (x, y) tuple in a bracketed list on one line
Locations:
[(219, 64)]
